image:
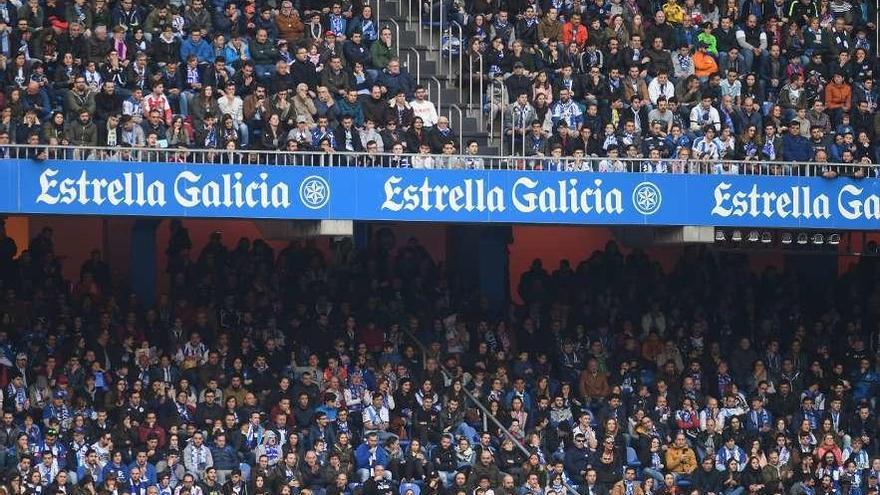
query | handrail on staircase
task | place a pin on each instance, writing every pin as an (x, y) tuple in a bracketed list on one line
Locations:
[(454, 25), (471, 95), (460, 123), (501, 108), (439, 39), (376, 15), (439, 90), (501, 102), (421, 18), (488, 109), (396, 35), (487, 415), (430, 23), (418, 70)]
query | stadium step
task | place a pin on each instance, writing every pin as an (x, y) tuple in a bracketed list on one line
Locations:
[(422, 41)]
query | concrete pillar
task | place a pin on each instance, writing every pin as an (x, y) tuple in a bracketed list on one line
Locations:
[(143, 265), (479, 255)]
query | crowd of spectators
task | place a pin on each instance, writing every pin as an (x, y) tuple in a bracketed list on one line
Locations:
[(206, 74), (680, 80), (665, 81), (298, 372)]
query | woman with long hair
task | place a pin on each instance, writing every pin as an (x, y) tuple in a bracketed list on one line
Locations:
[(732, 481), (752, 477), (542, 388), (259, 485), (730, 8), (202, 104), (652, 459), (749, 148), (177, 134), (751, 88), (518, 412), (18, 72), (637, 27), (618, 30), (273, 134), (228, 132), (478, 30)]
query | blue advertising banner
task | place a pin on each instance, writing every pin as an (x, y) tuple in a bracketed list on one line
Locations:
[(290, 192)]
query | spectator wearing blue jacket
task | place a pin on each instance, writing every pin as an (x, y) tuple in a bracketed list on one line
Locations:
[(57, 410), (116, 468), (758, 419), (225, 458), (577, 459), (519, 390), (37, 99), (796, 148), (237, 51), (366, 25), (91, 467), (369, 455), (730, 450), (148, 471), (350, 105), (865, 382), (196, 45), (806, 412), (393, 80)]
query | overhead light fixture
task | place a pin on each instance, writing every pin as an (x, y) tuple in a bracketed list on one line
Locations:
[(737, 236), (802, 238), (753, 236), (766, 238), (786, 238), (719, 236), (834, 239), (818, 239)]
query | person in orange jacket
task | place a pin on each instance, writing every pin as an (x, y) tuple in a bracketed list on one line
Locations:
[(838, 97), (704, 64), (574, 31)]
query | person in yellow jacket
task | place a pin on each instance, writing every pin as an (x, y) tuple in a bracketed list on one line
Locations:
[(628, 485), (674, 12), (680, 459)]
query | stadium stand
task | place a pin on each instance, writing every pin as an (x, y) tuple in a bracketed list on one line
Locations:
[(370, 371), (775, 80)]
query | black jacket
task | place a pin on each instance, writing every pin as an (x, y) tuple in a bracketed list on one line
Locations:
[(356, 145), (707, 481)]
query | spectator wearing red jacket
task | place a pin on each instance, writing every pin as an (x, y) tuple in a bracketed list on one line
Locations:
[(574, 31)]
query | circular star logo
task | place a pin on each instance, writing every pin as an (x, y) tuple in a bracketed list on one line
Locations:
[(646, 198), (314, 192)]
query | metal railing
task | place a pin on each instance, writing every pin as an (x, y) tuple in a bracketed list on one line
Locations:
[(418, 57), (377, 14), (488, 417), (421, 15), (497, 102), (514, 162), (439, 44), (435, 80), (430, 4), (461, 47), (457, 110), (471, 89)]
